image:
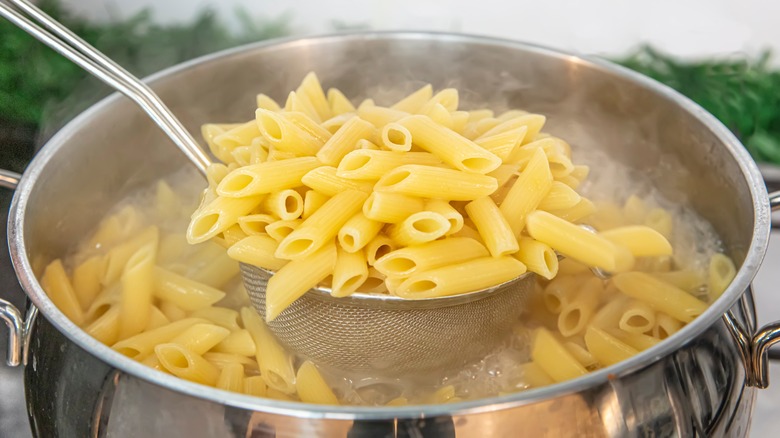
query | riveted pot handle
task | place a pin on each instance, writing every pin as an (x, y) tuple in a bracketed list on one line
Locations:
[(17, 327), (765, 337)]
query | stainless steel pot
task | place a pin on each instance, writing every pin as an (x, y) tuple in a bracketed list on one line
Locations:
[(701, 381)]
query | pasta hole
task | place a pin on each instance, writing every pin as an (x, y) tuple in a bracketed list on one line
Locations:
[(382, 250), (661, 333), (571, 321), (427, 226), (393, 178), (371, 283), (236, 183), (298, 246), (348, 241), (100, 310), (130, 352), (291, 204), (553, 303), (477, 164), (551, 261), (275, 380), (271, 127), (175, 358), (352, 283), (204, 224), (420, 286), (397, 137), (400, 265), (354, 162)]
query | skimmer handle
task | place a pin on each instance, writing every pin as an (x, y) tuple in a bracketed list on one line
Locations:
[(45, 29)]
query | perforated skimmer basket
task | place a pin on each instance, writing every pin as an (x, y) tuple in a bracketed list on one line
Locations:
[(392, 336)]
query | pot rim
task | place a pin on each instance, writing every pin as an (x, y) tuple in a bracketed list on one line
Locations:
[(741, 282)]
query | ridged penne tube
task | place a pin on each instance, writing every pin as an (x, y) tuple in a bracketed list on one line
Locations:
[(576, 315), (242, 155), (504, 174), (279, 155), (688, 280), (637, 317), (201, 338), (311, 387), (553, 358), (534, 376), (57, 285), (211, 130), (143, 344), (608, 316), (86, 280), (582, 355), (503, 144), (575, 214), (375, 282), (241, 135), (396, 137), (117, 257), (606, 348), (281, 229), (444, 208), (573, 241), (221, 360), (255, 385), (637, 341), (381, 116), (559, 197), (344, 140), (275, 363), (642, 241), (560, 292), (438, 113), (366, 164), (186, 293), (106, 327), (660, 220), (550, 145), (665, 326), (357, 232), (468, 231), (420, 227), (137, 284), (231, 378), (560, 165), (284, 135), (172, 311), (571, 267), (406, 261), (326, 181), (659, 295), (414, 101), (294, 279), (257, 251), (266, 102), (527, 192), (333, 124), (266, 177), (532, 122), (492, 226), (436, 182), (378, 247), (239, 342), (720, 273), (157, 319), (220, 316), (312, 201), (366, 144), (219, 215), (451, 147), (254, 224), (349, 273), (538, 257), (284, 204), (308, 125), (185, 364), (311, 90), (469, 276), (322, 226), (391, 207), (448, 98), (339, 104)]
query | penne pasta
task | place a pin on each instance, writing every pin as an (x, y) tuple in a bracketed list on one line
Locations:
[(355, 234), (184, 292), (527, 192), (284, 204), (264, 178), (311, 387), (257, 251), (538, 257), (721, 272), (418, 228), (605, 348), (345, 140), (349, 272), (406, 261), (553, 358), (366, 164), (391, 207), (326, 181), (276, 367), (436, 182), (661, 296), (492, 226)]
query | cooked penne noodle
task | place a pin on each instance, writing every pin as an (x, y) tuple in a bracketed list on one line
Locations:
[(157, 319), (608, 316), (503, 144), (492, 226), (406, 261), (137, 284), (257, 251), (660, 220), (560, 197), (721, 272), (366, 164), (577, 313), (339, 104), (180, 362), (688, 280), (266, 102), (117, 257), (380, 116), (661, 296), (451, 147), (106, 327), (375, 283), (534, 375), (472, 275), (231, 378), (532, 122), (281, 229), (266, 177), (582, 355), (637, 341), (201, 338), (57, 285), (391, 207), (294, 279), (312, 201), (538, 257), (219, 215), (605, 348), (444, 208), (358, 231), (345, 140), (239, 342), (436, 182), (322, 226), (220, 316), (255, 385), (326, 181), (665, 326), (184, 292), (377, 248), (142, 344), (349, 273), (642, 241), (86, 280), (576, 214), (527, 192), (226, 142), (172, 312), (420, 227), (438, 113), (396, 137), (553, 358), (637, 317), (275, 363), (414, 101), (284, 204), (311, 89), (311, 387), (285, 135), (254, 224), (447, 97)]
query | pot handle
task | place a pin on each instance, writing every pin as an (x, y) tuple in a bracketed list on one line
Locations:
[(755, 349), (18, 326)]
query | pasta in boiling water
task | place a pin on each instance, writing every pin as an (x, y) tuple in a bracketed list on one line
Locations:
[(418, 199)]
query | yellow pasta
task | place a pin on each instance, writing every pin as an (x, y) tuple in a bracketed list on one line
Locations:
[(420, 227), (266, 177), (142, 344), (284, 135), (86, 280), (436, 182), (577, 313), (661, 296), (404, 262), (637, 318), (345, 140), (538, 257), (284, 204), (339, 104), (267, 102), (447, 211), (503, 144), (349, 272), (281, 229), (413, 102), (231, 378), (582, 355), (640, 240), (137, 289), (366, 164), (255, 386), (106, 327), (358, 231), (257, 251), (311, 387), (527, 192), (219, 215), (605, 348), (221, 316), (184, 292), (185, 364), (637, 341), (326, 181), (57, 285), (201, 338), (559, 197), (553, 358), (275, 363), (721, 272), (377, 248), (312, 201), (239, 342), (311, 90), (534, 375), (492, 226), (396, 137), (254, 224), (391, 207), (380, 116)]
